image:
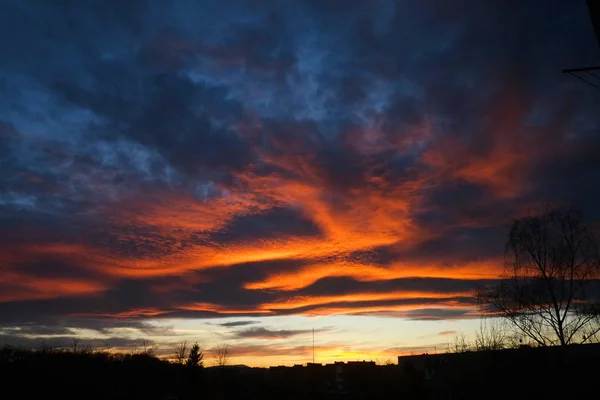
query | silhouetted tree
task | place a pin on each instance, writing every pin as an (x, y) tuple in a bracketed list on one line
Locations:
[(181, 352), (491, 335), (221, 354), (147, 348), (195, 357), (67, 374), (75, 344), (461, 344), (546, 291)]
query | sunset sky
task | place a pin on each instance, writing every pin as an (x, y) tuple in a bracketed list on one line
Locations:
[(244, 172)]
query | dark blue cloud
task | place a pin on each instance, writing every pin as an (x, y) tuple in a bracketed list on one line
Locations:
[(264, 333), (237, 323), (277, 222), (342, 285)]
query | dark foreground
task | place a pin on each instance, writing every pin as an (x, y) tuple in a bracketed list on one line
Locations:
[(548, 373)]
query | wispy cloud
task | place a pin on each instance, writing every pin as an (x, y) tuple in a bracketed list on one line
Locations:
[(447, 333), (264, 333), (237, 323)]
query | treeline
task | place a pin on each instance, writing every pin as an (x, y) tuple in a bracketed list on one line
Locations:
[(78, 372), (47, 372), (492, 334), (81, 372), (498, 334)]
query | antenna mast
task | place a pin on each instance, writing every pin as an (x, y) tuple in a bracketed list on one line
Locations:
[(313, 345)]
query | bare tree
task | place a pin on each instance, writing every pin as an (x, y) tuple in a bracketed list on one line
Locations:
[(551, 263), (148, 349), (181, 352), (75, 344), (491, 335), (86, 349), (592, 333), (461, 344), (517, 340), (221, 354)]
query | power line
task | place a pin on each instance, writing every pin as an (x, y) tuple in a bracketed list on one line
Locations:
[(581, 69), (593, 74), (584, 80)]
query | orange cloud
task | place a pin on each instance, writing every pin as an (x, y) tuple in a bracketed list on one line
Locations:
[(349, 218), (447, 333), (22, 286), (305, 301), (32, 252), (171, 212), (220, 309), (401, 310), (144, 312), (498, 158), (356, 219), (308, 275), (358, 223), (25, 288)]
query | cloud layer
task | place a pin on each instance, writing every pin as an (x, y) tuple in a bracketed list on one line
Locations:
[(203, 159)]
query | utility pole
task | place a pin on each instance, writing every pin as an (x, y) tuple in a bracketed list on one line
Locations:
[(591, 78)]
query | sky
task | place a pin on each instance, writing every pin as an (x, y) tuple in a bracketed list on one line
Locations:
[(246, 172)]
